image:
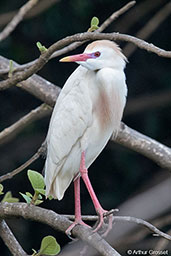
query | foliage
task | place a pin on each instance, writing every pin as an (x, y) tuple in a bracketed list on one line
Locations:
[(49, 246), (38, 185), (9, 198), (41, 47), (94, 24)]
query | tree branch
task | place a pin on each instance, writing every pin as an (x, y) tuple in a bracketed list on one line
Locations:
[(14, 129), (36, 10), (162, 243), (10, 175), (144, 223), (150, 26), (115, 15), (144, 145), (140, 10), (43, 59), (139, 235), (148, 101), (17, 19), (10, 240), (127, 219), (57, 222)]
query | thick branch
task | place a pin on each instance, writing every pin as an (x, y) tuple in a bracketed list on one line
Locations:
[(43, 59), (17, 19), (10, 240), (144, 145), (58, 222)]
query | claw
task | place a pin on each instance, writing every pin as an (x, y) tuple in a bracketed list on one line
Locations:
[(76, 222), (102, 214)]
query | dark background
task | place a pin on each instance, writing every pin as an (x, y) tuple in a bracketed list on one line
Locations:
[(118, 173)]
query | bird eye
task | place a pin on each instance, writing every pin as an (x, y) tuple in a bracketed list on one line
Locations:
[(97, 54)]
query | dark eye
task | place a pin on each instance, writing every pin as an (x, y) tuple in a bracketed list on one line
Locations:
[(97, 54)]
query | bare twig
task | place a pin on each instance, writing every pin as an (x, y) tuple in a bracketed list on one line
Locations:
[(144, 145), (139, 235), (40, 151), (43, 59), (146, 102), (149, 28), (36, 10), (58, 222), (17, 19), (14, 129), (144, 223), (10, 240), (131, 18), (162, 243), (115, 15)]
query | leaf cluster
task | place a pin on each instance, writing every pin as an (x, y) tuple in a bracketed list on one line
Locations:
[(38, 185)]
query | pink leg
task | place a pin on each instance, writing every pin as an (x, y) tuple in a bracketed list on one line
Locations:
[(84, 173), (78, 219)]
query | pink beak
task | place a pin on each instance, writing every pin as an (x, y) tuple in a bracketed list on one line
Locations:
[(77, 57)]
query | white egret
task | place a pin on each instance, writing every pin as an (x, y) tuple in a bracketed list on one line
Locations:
[(87, 112)]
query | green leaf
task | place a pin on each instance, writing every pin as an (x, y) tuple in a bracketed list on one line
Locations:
[(34, 252), (1, 189), (27, 198), (36, 179), (29, 194), (41, 47), (11, 68), (41, 191), (49, 246), (93, 28), (40, 196), (9, 198), (37, 202), (94, 21)]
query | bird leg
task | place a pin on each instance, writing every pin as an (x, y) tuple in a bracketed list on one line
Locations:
[(78, 219), (100, 211)]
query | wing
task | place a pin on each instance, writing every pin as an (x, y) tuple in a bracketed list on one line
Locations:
[(70, 119)]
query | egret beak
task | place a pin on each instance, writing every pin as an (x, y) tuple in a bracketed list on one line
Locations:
[(77, 57)]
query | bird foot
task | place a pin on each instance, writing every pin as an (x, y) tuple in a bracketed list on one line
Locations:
[(76, 222), (103, 214)]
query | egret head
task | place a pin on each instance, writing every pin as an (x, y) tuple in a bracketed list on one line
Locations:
[(99, 54)]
